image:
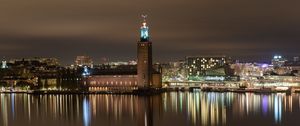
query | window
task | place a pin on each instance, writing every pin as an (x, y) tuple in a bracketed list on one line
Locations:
[(93, 82)]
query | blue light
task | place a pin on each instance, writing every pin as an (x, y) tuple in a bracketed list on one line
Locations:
[(264, 65), (265, 105), (86, 71), (144, 33), (13, 105), (86, 112), (144, 30)]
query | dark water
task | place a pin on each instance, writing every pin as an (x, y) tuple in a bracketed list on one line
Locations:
[(168, 109)]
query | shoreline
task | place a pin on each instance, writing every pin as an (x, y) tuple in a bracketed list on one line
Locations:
[(155, 91), (134, 92)]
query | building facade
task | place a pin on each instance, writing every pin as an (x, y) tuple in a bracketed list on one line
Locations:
[(143, 77), (278, 61), (83, 61), (199, 67)]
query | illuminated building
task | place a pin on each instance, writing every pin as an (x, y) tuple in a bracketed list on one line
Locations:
[(289, 68), (35, 61), (278, 61), (49, 61), (251, 69), (84, 61), (128, 77), (29, 72), (4, 64), (144, 65), (206, 66), (174, 71)]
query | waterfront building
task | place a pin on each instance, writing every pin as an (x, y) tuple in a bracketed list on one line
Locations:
[(31, 72), (128, 77), (251, 71), (202, 67), (291, 67)]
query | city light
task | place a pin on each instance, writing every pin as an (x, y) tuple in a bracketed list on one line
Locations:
[(91, 63), (86, 71)]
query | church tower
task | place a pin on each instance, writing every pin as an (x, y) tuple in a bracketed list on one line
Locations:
[(144, 56)]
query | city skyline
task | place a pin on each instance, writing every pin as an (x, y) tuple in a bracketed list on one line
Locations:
[(97, 28), (149, 63)]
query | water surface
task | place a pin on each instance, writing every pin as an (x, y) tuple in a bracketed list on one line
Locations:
[(172, 108)]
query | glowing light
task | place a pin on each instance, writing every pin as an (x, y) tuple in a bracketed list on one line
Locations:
[(265, 105), (264, 65), (144, 33), (144, 30), (282, 88), (86, 71), (86, 112), (216, 78), (277, 57), (4, 65)]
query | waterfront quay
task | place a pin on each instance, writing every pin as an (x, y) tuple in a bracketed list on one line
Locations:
[(240, 87), (178, 87)]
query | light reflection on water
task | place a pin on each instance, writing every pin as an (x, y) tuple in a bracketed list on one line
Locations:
[(173, 108), (86, 112)]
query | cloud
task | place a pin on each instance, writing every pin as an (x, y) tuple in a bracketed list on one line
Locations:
[(102, 28)]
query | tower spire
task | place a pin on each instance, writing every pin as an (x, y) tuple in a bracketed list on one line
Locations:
[(144, 16)]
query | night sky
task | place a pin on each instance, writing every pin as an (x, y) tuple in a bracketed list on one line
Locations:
[(251, 30)]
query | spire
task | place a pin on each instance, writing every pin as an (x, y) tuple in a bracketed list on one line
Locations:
[(144, 17), (144, 30)]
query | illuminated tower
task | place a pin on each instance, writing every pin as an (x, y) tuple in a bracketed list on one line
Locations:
[(144, 56), (4, 64)]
